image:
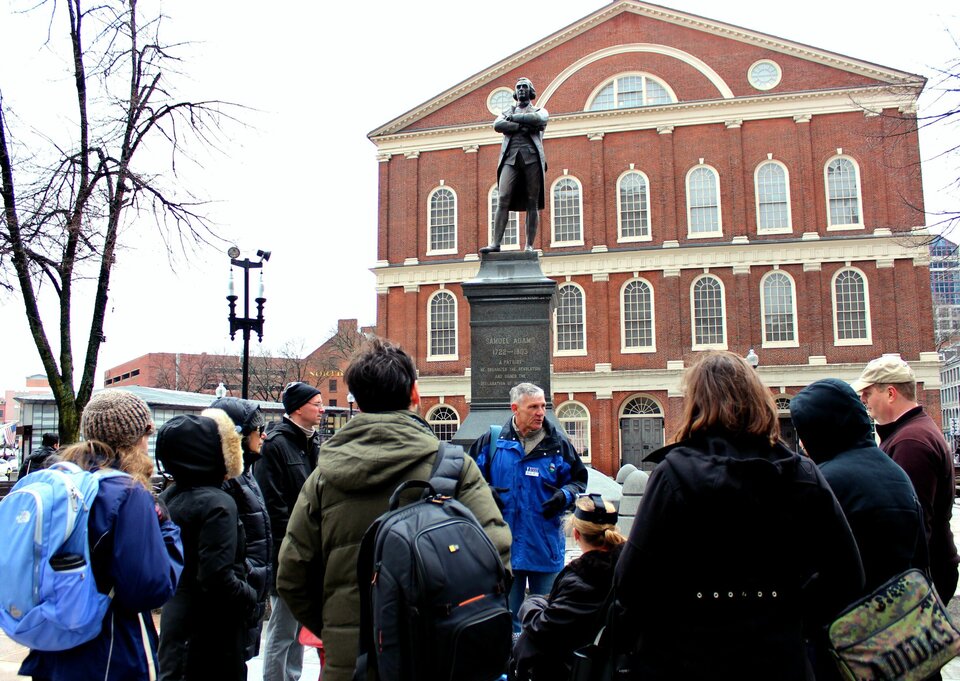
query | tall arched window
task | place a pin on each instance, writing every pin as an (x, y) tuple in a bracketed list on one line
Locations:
[(442, 221), (631, 90), (707, 310), (703, 202), (567, 212), (570, 332), (773, 198), (636, 300), (444, 421), (843, 194), (575, 420), (778, 310), (851, 308), (442, 326), (511, 237), (633, 208)]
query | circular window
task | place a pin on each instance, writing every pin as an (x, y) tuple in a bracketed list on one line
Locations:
[(499, 100), (764, 74)]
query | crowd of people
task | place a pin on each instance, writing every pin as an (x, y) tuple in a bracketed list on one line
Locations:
[(741, 553)]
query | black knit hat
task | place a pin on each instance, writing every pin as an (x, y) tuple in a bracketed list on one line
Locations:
[(297, 394)]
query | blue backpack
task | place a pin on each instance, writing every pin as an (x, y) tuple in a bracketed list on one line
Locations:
[(48, 595)]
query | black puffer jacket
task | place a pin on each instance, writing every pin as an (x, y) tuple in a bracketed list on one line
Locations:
[(286, 459), (876, 495), (39, 458), (203, 628), (567, 619), (738, 551)]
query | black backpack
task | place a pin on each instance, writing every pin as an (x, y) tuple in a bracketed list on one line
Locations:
[(433, 591)]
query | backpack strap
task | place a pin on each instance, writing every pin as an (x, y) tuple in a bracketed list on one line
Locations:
[(447, 466), (366, 650), (495, 431)]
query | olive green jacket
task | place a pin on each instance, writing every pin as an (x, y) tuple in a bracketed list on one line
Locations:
[(358, 469)]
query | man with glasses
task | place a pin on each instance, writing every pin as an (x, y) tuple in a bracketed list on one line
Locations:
[(288, 456), (888, 389)]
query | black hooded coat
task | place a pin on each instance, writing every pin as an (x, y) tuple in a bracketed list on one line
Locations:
[(203, 628)]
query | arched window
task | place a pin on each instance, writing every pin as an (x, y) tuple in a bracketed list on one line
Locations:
[(442, 326), (444, 421), (707, 310), (575, 420), (843, 194), (773, 198), (511, 237), (778, 309), (636, 300), (633, 208), (851, 308), (631, 90), (442, 221), (703, 203), (570, 332), (567, 212)]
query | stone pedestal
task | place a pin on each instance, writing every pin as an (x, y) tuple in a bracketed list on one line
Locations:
[(511, 303)]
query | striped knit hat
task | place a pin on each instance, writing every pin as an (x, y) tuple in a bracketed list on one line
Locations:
[(116, 417)]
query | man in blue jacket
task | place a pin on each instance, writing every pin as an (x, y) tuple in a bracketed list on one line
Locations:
[(538, 474)]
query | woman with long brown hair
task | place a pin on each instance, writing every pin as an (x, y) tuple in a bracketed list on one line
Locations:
[(135, 550), (739, 550)]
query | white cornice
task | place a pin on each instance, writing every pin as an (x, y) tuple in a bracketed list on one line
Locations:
[(613, 9), (672, 260), (667, 117)]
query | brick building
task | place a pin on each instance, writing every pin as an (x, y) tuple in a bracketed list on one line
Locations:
[(708, 186)]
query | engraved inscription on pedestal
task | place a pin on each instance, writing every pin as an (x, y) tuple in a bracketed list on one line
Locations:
[(512, 359)]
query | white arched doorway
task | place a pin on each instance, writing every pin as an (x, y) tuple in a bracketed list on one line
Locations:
[(641, 431)]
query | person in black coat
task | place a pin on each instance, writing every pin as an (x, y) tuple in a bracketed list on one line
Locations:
[(203, 628), (875, 494), (245, 491), (553, 627), (42, 457), (739, 550)]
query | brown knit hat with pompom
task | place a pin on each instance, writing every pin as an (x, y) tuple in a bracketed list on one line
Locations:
[(116, 417)]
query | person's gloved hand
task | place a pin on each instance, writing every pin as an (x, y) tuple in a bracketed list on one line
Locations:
[(554, 505)]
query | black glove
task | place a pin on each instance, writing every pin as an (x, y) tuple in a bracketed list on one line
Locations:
[(554, 505), (163, 515)]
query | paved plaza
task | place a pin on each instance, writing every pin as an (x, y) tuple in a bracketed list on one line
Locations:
[(12, 654)]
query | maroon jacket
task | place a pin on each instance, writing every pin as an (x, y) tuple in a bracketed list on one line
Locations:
[(916, 444)]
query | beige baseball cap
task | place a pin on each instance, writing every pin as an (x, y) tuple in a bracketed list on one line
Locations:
[(886, 369)]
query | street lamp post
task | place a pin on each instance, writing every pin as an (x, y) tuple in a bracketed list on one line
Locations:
[(752, 358), (246, 323)]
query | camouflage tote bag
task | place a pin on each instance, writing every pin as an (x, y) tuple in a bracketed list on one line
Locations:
[(899, 631)]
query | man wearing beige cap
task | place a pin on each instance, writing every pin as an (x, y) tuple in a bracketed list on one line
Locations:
[(888, 388)]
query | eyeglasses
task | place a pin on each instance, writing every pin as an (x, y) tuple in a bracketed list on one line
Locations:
[(318, 404), (260, 429)]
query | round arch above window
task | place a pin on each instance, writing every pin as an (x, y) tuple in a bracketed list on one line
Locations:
[(783, 404), (444, 421), (630, 90), (642, 406), (574, 418)]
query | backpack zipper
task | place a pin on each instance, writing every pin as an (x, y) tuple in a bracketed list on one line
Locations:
[(37, 539)]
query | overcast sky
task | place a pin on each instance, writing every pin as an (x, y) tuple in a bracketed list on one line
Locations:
[(300, 179)]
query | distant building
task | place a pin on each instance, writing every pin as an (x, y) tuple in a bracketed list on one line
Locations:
[(945, 288), (9, 407), (709, 187)]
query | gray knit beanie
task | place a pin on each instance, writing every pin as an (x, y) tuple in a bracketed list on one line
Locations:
[(116, 417)]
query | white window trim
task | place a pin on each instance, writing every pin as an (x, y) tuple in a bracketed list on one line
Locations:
[(837, 341), (614, 79), (653, 320), (456, 327), (629, 239), (505, 247), (583, 335), (826, 192), (693, 316), (456, 220), (764, 88), (589, 448), (716, 181), (490, 108), (756, 199), (553, 222), (763, 311)]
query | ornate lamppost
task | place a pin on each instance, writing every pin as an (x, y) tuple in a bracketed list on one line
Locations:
[(246, 323)]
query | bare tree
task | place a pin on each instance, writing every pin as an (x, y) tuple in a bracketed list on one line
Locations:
[(336, 352), (196, 373), (64, 205), (270, 373)]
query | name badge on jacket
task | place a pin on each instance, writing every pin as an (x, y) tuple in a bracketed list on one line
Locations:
[(532, 471)]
